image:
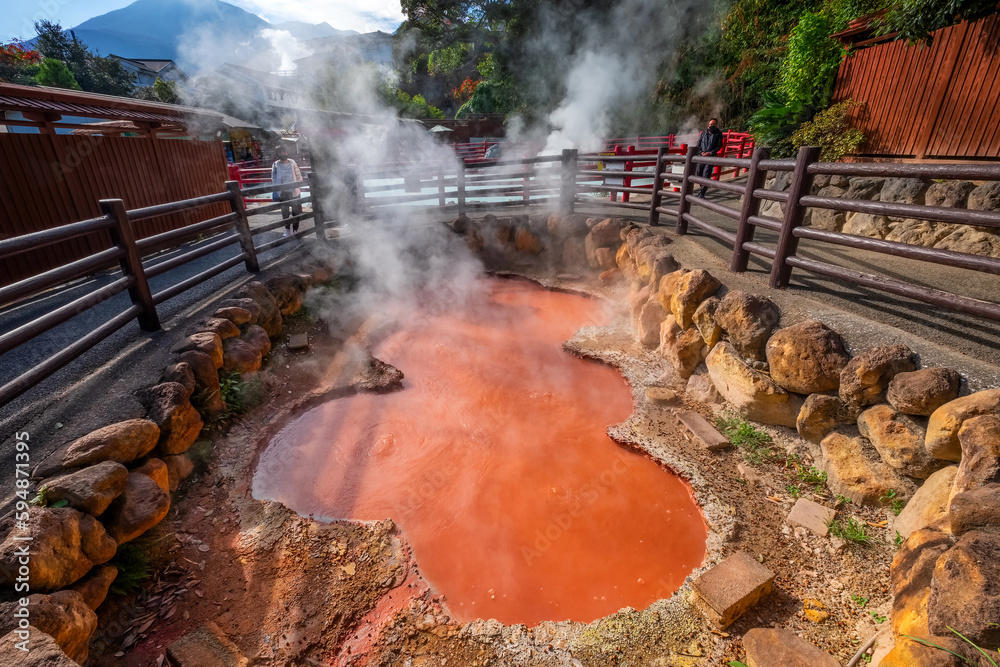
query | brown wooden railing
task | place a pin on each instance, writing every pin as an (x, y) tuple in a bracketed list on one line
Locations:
[(130, 253)]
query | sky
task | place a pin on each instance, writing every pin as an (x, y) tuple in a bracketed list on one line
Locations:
[(362, 15)]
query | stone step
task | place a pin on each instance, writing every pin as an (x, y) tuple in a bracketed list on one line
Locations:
[(731, 588), (703, 431)]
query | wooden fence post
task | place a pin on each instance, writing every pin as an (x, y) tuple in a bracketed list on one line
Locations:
[(460, 186), (123, 236), (794, 213), (567, 194), (319, 215), (684, 206), (655, 200), (751, 206), (242, 226)]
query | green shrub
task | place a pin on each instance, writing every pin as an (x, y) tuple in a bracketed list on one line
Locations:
[(831, 130), (851, 530), (132, 561), (755, 445)]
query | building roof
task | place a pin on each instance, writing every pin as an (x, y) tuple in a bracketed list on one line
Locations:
[(51, 104)]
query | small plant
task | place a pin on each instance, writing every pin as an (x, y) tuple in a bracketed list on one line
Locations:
[(879, 618), (859, 600), (132, 561), (867, 657), (41, 499), (755, 445), (851, 530), (793, 490), (831, 130), (736, 663), (898, 540), (895, 503), (842, 500), (241, 395), (964, 639)]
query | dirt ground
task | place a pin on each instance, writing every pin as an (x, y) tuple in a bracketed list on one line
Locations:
[(286, 590)]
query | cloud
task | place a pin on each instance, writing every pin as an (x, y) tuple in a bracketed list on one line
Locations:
[(360, 15)]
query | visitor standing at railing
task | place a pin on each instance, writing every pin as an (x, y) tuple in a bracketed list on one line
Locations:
[(709, 144), (286, 171)]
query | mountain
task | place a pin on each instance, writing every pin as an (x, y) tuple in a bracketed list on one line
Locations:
[(303, 31), (199, 35)]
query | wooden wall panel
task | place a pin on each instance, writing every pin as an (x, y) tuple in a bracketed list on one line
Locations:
[(52, 180), (929, 102)]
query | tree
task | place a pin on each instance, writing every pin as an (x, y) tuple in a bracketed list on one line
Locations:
[(55, 73), (93, 73), (160, 91), (18, 64), (915, 20)]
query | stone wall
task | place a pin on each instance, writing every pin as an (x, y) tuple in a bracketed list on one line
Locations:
[(950, 194), (112, 485)]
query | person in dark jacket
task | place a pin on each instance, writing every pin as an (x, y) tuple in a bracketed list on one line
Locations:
[(709, 143)]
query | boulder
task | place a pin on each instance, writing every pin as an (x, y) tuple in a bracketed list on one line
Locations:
[(95, 586), (270, 315), (179, 468), (182, 374), (768, 647), (753, 394), (220, 326), (566, 226), (474, 239), (863, 187), (122, 442), (854, 470), (749, 320), (611, 276), (806, 358), (156, 470), (66, 544), (945, 422), (828, 219), (256, 337), (682, 349), (899, 440), (457, 225), (606, 259), (980, 464), (650, 317), (978, 509), (929, 504), (866, 224), (911, 575), (240, 357), (63, 616), (704, 321), (948, 194), (207, 342), (90, 490), (692, 288), (590, 248), (665, 289), (143, 505), (574, 253), (820, 414), (528, 242), (624, 261), (986, 197), (908, 653), (866, 377), (230, 309), (918, 232), (168, 407), (288, 290), (964, 591), (972, 240), (208, 393), (924, 391), (652, 262), (43, 650), (904, 190), (700, 388), (607, 232), (638, 299)]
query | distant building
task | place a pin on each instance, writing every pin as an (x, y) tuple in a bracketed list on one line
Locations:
[(241, 88), (147, 71)]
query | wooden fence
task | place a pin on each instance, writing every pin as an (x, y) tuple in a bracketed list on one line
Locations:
[(928, 102), (49, 180)]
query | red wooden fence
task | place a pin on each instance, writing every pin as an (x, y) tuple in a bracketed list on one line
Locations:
[(48, 180), (929, 102)]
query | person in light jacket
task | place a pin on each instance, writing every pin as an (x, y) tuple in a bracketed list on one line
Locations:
[(709, 143), (286, 171)]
